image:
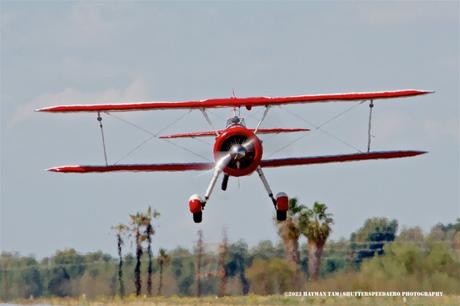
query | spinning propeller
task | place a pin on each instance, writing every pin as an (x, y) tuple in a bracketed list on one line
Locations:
[(237, 153)]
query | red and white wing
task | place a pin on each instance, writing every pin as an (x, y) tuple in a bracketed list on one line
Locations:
[(213, 133), (297, 161), (235, 102), (268, 163), (134, 168)]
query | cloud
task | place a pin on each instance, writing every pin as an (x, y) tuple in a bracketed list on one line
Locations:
[(135, 91)]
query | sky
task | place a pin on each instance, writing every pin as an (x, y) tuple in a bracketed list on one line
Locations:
[(94, 52)]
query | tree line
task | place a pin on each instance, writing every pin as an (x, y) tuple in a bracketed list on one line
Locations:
[(375, 257)]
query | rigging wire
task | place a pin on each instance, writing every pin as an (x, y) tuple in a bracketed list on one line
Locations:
[(287, 145), (155, 135), (340, 114), (320, 128)]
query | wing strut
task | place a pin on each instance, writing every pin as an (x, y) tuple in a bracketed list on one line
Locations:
[(99, 118), (369, 135), (205, 114), (267, 108)]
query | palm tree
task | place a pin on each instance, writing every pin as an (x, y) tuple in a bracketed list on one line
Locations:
[(315, 225), (148, 233), (289, 231), (199, 250), (136, 223), (120, 230), (163, 260)]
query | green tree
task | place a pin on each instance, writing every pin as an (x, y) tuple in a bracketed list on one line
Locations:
[(183, 269), (371, 238), (265, 250), (136, 223), (237, 262), (336, 254), (272, 276), (222, 273), (289, 231), (148, 233), (199, 253), (411, 234), (65, 266), (407, 266), (449, 233), (315, 224), (163, 261), (120, 230), (20, 277), (99, 278)]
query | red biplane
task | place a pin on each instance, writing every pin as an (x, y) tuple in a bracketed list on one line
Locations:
[(237, 149)]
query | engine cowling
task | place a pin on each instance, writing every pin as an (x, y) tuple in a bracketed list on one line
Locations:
[(194, 203), (247, 158), (282, 201)]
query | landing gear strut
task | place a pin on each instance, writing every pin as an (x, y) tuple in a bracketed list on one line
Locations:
[(281, 201), (197, 204)]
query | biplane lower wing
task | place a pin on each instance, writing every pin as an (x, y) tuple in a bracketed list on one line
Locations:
[(269, 163), (297, 161), (134, 168), (248, 102)]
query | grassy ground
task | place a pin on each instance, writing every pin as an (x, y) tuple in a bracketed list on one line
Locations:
[(250, 300)]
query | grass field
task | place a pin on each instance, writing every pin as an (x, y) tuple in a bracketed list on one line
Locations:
[(248, 300)]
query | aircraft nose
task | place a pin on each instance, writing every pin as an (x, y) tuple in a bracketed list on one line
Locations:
[(238, 152)]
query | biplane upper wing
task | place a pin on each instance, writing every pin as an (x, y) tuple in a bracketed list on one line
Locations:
[(264, 163), (248, 102), (213, 133)]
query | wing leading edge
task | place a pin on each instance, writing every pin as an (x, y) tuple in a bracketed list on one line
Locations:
[(235, 102), (269, 163)]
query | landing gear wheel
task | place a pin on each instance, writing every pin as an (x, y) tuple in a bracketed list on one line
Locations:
[(281, 215), (198, 217)]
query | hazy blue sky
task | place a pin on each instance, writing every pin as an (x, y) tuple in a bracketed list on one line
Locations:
[(81, 52)]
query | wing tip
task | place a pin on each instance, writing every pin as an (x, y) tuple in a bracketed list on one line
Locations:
[(44, 109), (53, 169), (419, 152), (426, 92)]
